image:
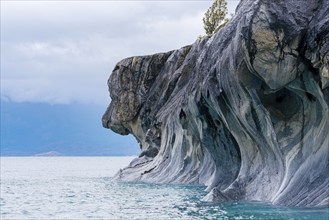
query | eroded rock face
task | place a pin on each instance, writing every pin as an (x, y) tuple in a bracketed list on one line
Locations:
[(244, 112)]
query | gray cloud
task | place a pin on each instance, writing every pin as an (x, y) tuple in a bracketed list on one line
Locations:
[(63, 52)]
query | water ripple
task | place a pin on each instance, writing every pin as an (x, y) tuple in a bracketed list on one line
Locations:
[(53, 194)]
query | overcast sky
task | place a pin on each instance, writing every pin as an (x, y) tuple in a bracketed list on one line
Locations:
[(64, 51)]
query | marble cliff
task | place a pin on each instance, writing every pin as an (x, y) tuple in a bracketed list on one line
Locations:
[(244, 112)]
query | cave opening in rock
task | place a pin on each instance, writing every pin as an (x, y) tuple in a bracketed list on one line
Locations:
[(281, 104)]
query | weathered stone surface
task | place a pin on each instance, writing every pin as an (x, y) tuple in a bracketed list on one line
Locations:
[(244, 112)]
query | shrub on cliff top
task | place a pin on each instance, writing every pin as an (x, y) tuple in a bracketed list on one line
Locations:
[(215, 17)]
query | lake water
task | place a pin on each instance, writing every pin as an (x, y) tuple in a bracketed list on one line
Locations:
[(82, 188)]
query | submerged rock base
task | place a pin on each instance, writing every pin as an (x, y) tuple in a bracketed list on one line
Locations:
[(244, 112)]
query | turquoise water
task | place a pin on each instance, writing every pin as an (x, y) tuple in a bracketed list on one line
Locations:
[(82, 188)]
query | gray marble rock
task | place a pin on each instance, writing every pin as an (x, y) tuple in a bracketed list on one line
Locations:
[(244, 112)]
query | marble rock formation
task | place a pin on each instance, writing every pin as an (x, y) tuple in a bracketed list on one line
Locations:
[(244, 112)]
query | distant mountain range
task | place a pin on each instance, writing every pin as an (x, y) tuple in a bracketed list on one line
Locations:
[(71, 130), (49, 154)]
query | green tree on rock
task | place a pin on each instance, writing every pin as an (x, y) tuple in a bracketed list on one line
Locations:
[(215, 17)]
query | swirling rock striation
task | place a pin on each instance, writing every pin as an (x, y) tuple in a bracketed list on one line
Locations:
[(244, 112)]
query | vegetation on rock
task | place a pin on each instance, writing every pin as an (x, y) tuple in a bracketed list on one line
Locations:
[(215, 17)]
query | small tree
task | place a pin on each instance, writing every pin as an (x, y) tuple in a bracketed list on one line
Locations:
[(215, 17)]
